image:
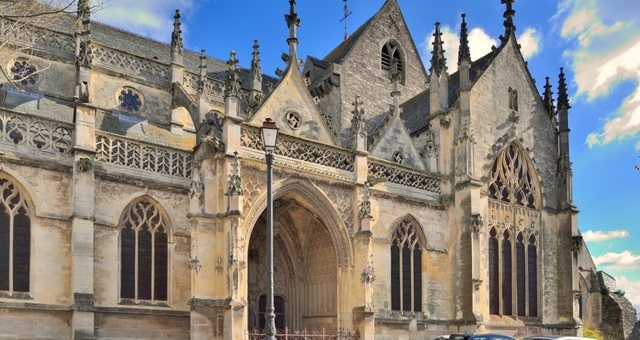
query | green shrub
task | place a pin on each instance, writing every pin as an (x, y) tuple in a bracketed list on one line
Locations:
[(592, 333)]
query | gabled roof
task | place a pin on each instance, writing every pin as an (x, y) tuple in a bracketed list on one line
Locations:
[(345, 47)]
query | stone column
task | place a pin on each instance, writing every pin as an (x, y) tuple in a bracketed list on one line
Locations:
[(82, 222)]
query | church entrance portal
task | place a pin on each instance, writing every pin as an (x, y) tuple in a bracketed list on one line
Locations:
[(305, 270)]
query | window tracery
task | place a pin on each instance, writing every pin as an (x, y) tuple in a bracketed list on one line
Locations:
[(514, 205), (130, 100), (406, 268), (144, 252), (15, 239), (23, 72)]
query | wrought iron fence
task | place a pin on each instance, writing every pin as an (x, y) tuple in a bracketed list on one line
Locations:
[(307, 335)]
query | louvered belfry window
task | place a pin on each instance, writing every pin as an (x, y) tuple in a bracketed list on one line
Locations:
[(15, 238), (391, 61), (512, 249), (406, 268), (143, 252)]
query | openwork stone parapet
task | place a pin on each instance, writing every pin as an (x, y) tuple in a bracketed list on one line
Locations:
[(300, 149), (36, 133), (144, 156), (379, 169)]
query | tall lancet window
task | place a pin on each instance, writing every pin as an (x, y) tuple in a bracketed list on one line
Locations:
[(514, 207), (391, 61), (143, 252), (15, 238), (406, 268)]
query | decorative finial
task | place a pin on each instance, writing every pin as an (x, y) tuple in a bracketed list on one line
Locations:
[(563, 97), (234, 186), (464, 53), (293, 22), (232, 87), (84, 10), (509, 13), (256, 69), (347, 13), (357, 120), (438, 61), (203, 71), (548, 97), (176, 36)]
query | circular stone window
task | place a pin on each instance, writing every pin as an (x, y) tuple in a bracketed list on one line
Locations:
[(398, 157), (129, 99), (23, 72), (294, 120)]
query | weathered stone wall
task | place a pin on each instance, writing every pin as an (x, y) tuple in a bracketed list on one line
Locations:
[(141, 325), (27, 322), (618, 316), (362, 74)]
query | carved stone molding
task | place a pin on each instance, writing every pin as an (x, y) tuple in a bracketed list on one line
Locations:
[(234, 186), (365, 204), (477, 283)]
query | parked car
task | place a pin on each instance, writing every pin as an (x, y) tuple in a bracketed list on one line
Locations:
[(555, 337), (479, 337)]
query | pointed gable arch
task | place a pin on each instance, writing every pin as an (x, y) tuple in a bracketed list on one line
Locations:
[(409, 220), (393, 142), (293, 109)]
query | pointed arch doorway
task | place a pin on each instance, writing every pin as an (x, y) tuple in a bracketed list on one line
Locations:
[(305, 269)]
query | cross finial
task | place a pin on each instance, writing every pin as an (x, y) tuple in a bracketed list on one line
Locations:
[(464, 53), (509, 13), (347, 13)]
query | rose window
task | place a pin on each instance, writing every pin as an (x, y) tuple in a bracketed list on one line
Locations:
[(23, 72), (129, 100), (293, 120)]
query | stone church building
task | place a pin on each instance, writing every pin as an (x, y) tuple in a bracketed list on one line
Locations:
[(410, 200)]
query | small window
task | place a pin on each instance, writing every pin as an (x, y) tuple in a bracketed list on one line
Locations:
[(294, 120), (391, 61), (513, 99), (398, 157), (130, 100)]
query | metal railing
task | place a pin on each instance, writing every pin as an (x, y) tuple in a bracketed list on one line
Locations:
[(305, 334)]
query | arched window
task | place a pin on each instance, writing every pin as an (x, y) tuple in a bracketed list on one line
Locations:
[(520, 276), (391, 60), (15, 238), (143, 252), (533, 276), (514, 196), (506, 274), (494, 270), (406, 268)]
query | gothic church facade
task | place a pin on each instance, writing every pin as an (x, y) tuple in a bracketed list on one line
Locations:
[(409, 202)]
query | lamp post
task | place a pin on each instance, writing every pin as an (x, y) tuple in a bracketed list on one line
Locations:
[(269, 132)]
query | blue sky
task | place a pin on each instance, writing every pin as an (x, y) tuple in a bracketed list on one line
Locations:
[(597, 41)]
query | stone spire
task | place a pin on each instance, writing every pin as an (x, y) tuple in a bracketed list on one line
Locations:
[(563, 97), (509, 13), (84, 52), (548, 98), (293, 22), (176, 36), (256, 69), (464, 53), (438, 61)]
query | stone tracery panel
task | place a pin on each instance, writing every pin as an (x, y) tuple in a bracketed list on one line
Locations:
[(131, 64), (397, 175), (36, 133)]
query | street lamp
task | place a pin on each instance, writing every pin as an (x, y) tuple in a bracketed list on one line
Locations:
[(269, 133)]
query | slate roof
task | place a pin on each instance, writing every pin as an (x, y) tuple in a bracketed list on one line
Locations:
[(343, 49), (416, 110)]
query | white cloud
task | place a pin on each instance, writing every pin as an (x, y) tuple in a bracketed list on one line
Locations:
[(607, 54), (599, 236), (149, 18), (529, 43), (480, 43), (618, 261), (631, 289)]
